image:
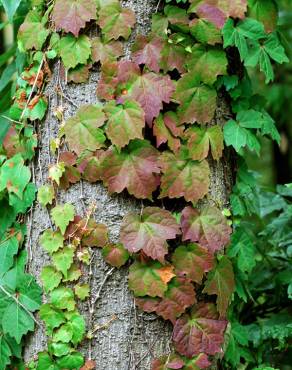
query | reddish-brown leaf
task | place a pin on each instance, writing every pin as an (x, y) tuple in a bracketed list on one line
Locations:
[(184, 178), (72, 15), (89, 365), (168, 362), (90, 166), (179, 296), (220, 281), (115, 255), (192, 261), (149, 232), (135, 168), (199, 332), (147, 50), (208, 227)]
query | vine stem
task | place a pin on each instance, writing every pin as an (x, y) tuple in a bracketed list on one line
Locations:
[(107, 275), (33, 87), (19, 303)]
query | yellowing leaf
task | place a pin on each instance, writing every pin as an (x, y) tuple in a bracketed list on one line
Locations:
[(62, 215)]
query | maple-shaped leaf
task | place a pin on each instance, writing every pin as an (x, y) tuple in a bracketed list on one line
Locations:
[(125, 81), (79, 74), (205, 32), (51, 240), (217, 11), (147, 304), (46, 195), (192, 261), (97, 235), (14, 175), (50, 278), (168, 362), (167, 130), (173, 55), (149, 232), (208, 62), (32, 33), (208, 227), (220, 281), (199, 332), (90, 165), (56, 171), (102, 52), (115, 254), (72, 15), (147, 50), (83, 130), (63, 259), (179, 296), (116, 21), (74, 50), (71, 174), (197, 100), (197, 362), (200, 140), (149, 278), (62, 215), (125, 122), (184, 178), (135, 168)]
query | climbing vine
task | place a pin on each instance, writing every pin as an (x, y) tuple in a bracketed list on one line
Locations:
[(154, 133)]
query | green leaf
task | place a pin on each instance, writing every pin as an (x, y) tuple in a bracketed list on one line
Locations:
[(16, 321), (234, 135), (46, 195), (264, 11), (125, 122), (72, 361), (192, 261), (63, 259), (50, 278), (6, 75), (183, 178), (14, 175), (149, 278), (51, 241), (21, 205), (45, 362), (5, 352), (62, 215), (59, 349), (32, 33), (56, 171), (198, 101), (63, 334), (207, 62), (83, 131), (51, 316), (220, 281), (82, 291), (10, 7), (205, 32), (29, 292), (78, 326), (8, 249), (63, 298), (74, 50), (200, 140), (115, 21)]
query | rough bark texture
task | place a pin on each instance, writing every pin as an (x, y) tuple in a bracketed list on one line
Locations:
[(131, 338)]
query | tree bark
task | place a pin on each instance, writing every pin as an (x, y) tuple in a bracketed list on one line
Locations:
[(127, 338)]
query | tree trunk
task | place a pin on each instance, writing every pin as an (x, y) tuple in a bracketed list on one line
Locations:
[(127, 338)]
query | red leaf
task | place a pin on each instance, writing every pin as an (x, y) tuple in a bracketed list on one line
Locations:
[(199, 332), (192, 261), (199, 362), (170, 362), (149, 232), (134, 168), (208, 227), (90, 166), (220, 281), (179, 296), (102, 52), (184, 178), (147, 50), (115, 255), (72, 15), (98, 236), (124, 80)]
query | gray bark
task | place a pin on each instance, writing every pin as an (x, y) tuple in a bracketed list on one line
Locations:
[(132, 338)]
